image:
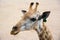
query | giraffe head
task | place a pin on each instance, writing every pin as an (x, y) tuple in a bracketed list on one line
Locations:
[(29, 19), (25, 23)]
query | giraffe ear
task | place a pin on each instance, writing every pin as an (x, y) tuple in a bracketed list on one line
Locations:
[(45, 14), (24, 11)]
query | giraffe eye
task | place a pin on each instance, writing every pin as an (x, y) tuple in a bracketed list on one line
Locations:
[(33, 19)]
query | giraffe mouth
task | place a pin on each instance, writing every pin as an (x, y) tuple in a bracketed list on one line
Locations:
[(14, 32)]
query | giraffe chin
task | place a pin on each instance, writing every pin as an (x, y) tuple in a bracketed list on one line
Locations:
[(14, 32)]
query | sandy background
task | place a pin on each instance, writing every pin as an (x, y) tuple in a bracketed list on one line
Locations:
[(10, 14)]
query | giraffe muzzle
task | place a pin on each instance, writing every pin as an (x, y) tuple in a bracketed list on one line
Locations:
[(14, 31)]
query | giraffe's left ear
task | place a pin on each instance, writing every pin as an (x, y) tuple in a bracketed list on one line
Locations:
[(24, 11), (45, 15)]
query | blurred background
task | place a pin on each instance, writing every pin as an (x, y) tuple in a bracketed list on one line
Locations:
[(10, 14)]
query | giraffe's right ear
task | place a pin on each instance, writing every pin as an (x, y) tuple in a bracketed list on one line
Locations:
[(24, 11)]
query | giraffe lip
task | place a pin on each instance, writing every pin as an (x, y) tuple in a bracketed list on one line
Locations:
[(14, 33)]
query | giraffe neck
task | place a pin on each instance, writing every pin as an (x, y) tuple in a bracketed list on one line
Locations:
[(44, 33)]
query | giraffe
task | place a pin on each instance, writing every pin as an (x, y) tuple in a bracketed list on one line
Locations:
[(33, 20)]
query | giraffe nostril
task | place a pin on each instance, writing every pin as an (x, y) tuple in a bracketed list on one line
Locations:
[(14, 28)]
